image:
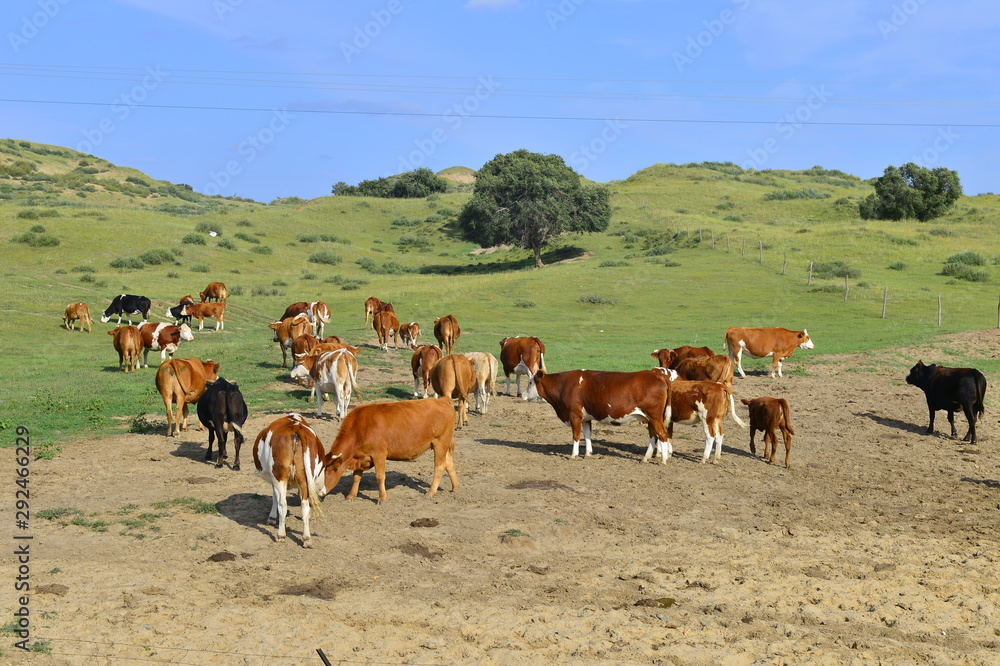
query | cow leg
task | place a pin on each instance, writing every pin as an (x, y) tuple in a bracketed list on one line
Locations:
[(169, 403), (770, 445), (182, 410), (416, 387), (443, 462), (575, 426), (738, 357), (380, 477), (776, 365), (586, 436), (145, 357), (280, 509), (211, 440), (319, 400), (970, 416), (223, 441), (951, 422), (306, 535), (753, 447), (463, 410), (787, 439), (930, 427), (238, 439)]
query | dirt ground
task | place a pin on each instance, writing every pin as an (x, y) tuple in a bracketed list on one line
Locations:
[(879, 545)]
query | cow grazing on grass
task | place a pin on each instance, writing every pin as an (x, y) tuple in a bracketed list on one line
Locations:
[(698, 402), (182, 381), (201, 310), (484, 369), (453, 377), (78, 312), (521, 356), (331, 372), (128, 343), (286, 330), (164, 338), (222, 410), (409, 333), (446, 331), (377, 432), (580, 397), (424, 358), (372, 306), (768, 415), (951, 389), (128, 305), (669, 358), (718, 368), (289, 453), (215, 291), (779, 343), (386, 325)]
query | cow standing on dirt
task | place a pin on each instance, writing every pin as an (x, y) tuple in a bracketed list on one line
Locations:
[(951, 389)]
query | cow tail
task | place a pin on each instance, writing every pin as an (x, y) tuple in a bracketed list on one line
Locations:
[(299, 455), (978, 407), (784, 409), (354, 381), (732, 405)]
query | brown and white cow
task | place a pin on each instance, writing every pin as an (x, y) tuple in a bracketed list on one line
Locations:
[(286, 330), (78, 312), (318, 313), (374, 433), (303, 346), (521, 356), (446, 331), (128, 343), (215, 291), (164, 338), (424, 358), (580, 397), (453, 377), (386, 325), (768, 414), (697, 402), (669, 358), (372, 306), (286, 453), (718, 368), (484, 368), (181, 381), (331, 372), (409, 333), (778, 343), (201, 310)]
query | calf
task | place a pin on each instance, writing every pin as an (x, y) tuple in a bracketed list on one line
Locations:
[(377, 432), (669, 358), (215, 291), (409, 334), (484, 369), (453, 377), (718, 368), (286, 330), (697, 402), (446, 330), (521, 356), (182, 381), (201, 310), (424, 358), (951, 389), (289, 453), (766, 415), (128, 343), (335, 372), (77, 312), (386, 324), (127, 304), (176, 312), (222, 409), (164, 338), (372, 306)]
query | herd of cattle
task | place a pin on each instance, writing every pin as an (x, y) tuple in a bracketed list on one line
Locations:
[(690, 385)]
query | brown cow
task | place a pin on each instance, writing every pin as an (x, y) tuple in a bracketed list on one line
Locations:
[(766, 414), (718, 368), (424, 358), (453, 377), (381, 431), (521, 356), (128, 344), (698, 402), (215, 291), (286, 330), (386, 324), (182, 381), (318, 313), (77, 312), (303, 346), (409, 334), (484, 367), (201, 310), (335, 371), (164, 338), (289, 453), (778, 343), (446, 330), (669, 358), (372, 306)]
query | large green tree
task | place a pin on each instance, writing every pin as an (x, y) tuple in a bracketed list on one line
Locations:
[(528, 199), (911, 191)]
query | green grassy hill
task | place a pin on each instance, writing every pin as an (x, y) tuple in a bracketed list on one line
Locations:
[(679, 263)]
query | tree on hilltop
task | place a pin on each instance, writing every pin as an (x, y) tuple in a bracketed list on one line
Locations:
[(911, 191)]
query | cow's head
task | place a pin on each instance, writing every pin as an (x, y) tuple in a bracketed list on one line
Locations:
[(805, 342), (186, 333), (105, 317), (211, 370), (531, 390), (300, 373), (920, 374)]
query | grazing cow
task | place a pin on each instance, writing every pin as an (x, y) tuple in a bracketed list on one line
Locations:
[(222, 410), (164, 338), (766, 415), (424, 358), (669, 358), (698, 402), (289, 453), (77, 312), (484, 368), (372, 306), (453, 377), (182, 381), (128, 305), (286, 330), (318, 313), (215, 291), (128, 344), (778, 343), (718, 368), (201, 310), (580, 397), (951, 389), (336, 372), (446, 331), (386, 325), (409, 334), (381, 431), (521, 356)]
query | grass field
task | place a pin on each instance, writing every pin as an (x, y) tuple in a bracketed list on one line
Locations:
[(604, 301)]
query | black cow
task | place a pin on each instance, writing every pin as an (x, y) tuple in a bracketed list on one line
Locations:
[(179, 315), (951, 389), (127, 304), (221, 409)]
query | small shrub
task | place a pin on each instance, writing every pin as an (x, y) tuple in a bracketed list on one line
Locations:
[(28, 214), (87, 277), (262, 249), (279, 283), (243, 223), (325, 257), (172, 275), (941, 232), (308, 238), (200, 268), (350, 286), (663, 261), (236, 290), (157, 257), (266, 291), (523, 304), (966, 258), (965, 272), (246, 237), (828, 289), (37, 229), (897, 266), (226, 244), (733, 218), (37, 240), (598, 300), (194, 239), (832, 269), (127, 263), (206, 227), (725, 205), (307, 276), (611, 263), (807, 193)]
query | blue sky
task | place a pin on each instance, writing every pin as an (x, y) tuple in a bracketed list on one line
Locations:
[(265, 99)]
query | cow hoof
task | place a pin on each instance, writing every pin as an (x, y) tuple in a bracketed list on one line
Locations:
[(272, 521), (218, 465), (307, 543), (703, 461), (236, 468)]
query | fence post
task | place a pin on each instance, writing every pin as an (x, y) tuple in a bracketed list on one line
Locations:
[(699, 234), (810, 281), (784, 264), (939, 309), (885, 300)]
